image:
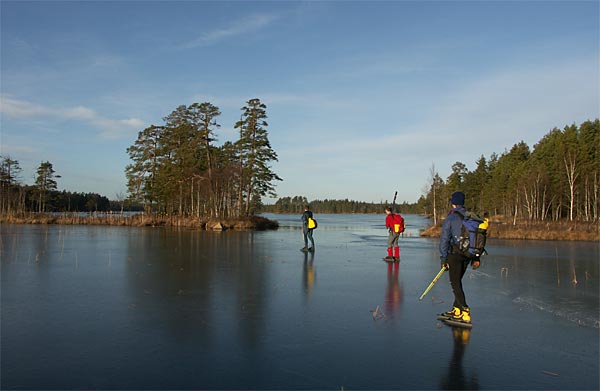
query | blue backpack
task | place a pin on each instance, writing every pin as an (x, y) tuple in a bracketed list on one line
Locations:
[(471, 242)]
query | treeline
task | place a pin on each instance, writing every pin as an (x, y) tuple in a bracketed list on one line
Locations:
[(43, 196), (558, 179), (295, 205), (178, 170)]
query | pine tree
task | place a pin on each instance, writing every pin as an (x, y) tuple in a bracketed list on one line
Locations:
[(45, 183), (255, 154), (10, 189), (202, 118), (141, 174)]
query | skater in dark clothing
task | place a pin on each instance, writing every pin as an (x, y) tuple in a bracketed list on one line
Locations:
[(307, 231), (453, 260), (395, 225)]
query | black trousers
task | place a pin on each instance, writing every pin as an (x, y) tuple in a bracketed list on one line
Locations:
[(458, 266)]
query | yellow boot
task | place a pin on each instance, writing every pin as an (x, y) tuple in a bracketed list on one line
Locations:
[(455, 311), (463, 316)]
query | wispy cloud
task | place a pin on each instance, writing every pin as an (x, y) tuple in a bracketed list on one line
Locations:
[(486, 115), (109, 128), (508, 104), (244, 26), (21, 109), (18, 150)]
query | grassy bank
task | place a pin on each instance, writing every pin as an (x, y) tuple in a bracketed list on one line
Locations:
[(499, 228), (541, 230), (141, 220)]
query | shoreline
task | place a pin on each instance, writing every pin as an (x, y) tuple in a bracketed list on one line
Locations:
[(499, 229), (527, 230), (141, 220)]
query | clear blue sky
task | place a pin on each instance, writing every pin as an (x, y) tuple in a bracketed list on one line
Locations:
[(363, 98)]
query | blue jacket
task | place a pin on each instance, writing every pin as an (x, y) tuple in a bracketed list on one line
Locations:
[(451, 230)]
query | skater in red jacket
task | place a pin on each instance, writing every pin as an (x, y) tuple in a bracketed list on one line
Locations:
[(395, 225)]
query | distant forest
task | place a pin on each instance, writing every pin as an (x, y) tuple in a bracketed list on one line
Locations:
[(43, 196), (176, 170), (559, 179), (295, 205), (27, 198)]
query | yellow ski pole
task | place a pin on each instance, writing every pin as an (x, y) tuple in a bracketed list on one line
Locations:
[(436, 278)]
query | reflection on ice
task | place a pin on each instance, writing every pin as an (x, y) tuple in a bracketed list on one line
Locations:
[(457, 378), (394, 293), (309, 275)]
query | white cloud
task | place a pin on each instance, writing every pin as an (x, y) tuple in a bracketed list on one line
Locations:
[(79, 112), (248, 25), (21, 109), (109, 128), (114, 129), (18, 150)]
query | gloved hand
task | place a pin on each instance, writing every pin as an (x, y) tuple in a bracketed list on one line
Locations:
[(444, 263)]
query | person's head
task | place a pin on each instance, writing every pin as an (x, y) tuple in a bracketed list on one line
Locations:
[(458, 198), (388, 210), (306, 207)]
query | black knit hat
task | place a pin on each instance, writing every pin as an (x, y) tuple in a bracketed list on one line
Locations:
[(458, 198)]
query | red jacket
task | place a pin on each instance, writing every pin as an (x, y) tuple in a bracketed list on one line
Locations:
[(393, 219), (389, 221)]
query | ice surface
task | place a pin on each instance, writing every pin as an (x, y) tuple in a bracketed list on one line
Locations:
[(152, 308)]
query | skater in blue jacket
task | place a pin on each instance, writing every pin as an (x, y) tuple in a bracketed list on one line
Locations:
[(453, 260), (307, 232)]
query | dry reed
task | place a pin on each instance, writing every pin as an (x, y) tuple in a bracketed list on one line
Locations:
[(142, 220), (542, 230)]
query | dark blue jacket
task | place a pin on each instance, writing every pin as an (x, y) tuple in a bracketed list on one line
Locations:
[(451, 230), (305, 216)]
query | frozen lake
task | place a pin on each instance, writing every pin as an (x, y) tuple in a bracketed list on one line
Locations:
[(85, 307)]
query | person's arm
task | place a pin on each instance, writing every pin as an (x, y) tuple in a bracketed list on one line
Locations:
[(444, 245)]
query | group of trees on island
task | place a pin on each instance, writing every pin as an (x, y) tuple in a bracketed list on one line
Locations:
[(177, 169), (558, 179)]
